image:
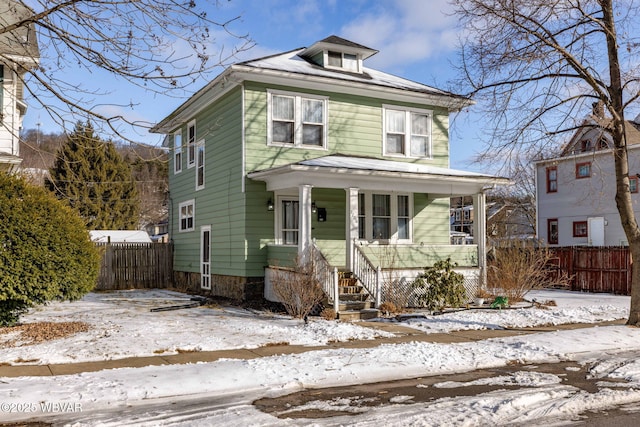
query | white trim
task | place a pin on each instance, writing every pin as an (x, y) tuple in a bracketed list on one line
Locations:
[(281, 197), (200, 145), (177, 150), (191, 144), (297, 120), (243, 141), (191, 202), (407, 131)]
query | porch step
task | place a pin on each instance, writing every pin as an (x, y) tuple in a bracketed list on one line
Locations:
[(350, 315), (345, 305)]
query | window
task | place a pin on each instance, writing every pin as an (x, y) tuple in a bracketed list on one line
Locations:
[(585, 145), (346, 61), (177, 152), (191, 144), (467, 215), (580, 229), (290, 222), (297, 120), (583, 170), (407, 132), (200, 165), (552, 179), (384, 216), (633, 184), (187, 215), (552, 231)]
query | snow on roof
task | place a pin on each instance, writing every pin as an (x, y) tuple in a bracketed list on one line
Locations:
[(119, 236), (293, 63), (366, 163)]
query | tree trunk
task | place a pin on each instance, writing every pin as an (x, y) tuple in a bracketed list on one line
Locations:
[(617, 129)]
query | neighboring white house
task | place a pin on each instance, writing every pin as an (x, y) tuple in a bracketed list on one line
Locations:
[(575, 191), (18, 53)]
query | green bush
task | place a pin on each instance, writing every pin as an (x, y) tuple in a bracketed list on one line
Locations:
[(440, 286), (45, 250)]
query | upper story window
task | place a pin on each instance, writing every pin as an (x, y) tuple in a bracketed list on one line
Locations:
[(200, 165), (407, 132), (187, 215), (191, 144), (552, 179), (177, 152), (345, 61), (583, 170), (297, 120)]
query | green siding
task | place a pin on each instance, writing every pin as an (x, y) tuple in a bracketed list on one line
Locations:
[(431, 221), (411, 257)]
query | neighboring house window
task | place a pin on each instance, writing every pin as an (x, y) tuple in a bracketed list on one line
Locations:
[(187, 215), (457, 215), (467, 215), (200, 165), (580, 229), (191, 144), (384, 216), (297, 120), (585, 145), (633, 184), (290, 228), (407, 133), (177, 152), (583, 170), (552, 231), (552, 179)]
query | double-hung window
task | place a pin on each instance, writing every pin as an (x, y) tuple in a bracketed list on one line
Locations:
[(407, 132), (552, 179), (191, 144), (297, 120), (187, 215), (384, 216), (200, 161), (177, 152)]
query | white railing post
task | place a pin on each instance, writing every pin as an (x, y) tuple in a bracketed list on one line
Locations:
[(336, 291), (378, 286)]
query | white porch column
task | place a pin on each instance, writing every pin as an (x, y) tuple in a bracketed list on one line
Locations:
[(351, 231), (304, 216), (480, 233)]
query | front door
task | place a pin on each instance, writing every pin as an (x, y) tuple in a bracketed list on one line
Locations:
[(205, 257)]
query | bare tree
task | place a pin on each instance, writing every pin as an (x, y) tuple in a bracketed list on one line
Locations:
[(161, 45), (541, 64)]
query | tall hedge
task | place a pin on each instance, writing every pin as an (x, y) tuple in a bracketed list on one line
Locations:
[(45, 250)]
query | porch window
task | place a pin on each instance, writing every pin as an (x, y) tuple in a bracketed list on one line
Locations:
[(177, 152), (290, 222), (385, 217), (191, 144), (580, 229), (552, 179), (187, 215), (200, 165), (407, 132), (552, 231), (297, 120)]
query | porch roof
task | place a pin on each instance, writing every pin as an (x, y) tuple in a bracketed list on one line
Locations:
[(338, 171)]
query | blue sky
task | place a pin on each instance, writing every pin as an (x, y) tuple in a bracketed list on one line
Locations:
[(416, 39)]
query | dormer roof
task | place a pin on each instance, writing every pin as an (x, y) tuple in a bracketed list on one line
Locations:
[(335, 43)]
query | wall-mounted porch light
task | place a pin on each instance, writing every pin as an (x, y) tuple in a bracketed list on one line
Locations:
[(314, 208), (269, 205)]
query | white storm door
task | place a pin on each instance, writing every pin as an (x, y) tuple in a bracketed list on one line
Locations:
[(205, 257)]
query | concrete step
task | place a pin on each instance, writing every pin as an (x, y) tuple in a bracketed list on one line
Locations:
[(355, 305), (350, 315)]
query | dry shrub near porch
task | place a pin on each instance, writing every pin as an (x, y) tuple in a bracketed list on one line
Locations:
[(298, 289), (515, 268)]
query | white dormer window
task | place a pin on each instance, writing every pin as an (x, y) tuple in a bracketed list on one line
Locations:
[(344, 61)]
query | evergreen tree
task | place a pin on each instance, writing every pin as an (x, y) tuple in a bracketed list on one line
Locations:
[(92, 177)]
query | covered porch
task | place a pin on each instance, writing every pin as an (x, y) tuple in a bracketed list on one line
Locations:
[(380, 221)]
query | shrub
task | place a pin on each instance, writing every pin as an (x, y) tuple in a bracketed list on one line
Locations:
[(298, 289), (45, 250), (388, 308), (516, 269), (328, 314), (440, 286)]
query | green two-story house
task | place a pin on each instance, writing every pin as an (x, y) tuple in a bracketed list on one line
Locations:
[(310, 148)]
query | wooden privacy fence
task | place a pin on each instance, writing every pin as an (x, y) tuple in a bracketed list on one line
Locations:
[(135, 265), (595, 268)]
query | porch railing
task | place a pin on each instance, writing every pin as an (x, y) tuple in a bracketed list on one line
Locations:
[(326, 275), (369, 275)]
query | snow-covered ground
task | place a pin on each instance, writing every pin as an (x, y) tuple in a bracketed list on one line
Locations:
[(123, 326)]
